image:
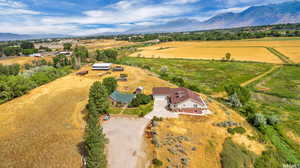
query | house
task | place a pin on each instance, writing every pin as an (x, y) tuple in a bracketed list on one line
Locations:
[(181, 100), (121, 99), (102, 66), (118, 68)]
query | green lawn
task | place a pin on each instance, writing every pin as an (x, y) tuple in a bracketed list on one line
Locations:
[(208, 76)]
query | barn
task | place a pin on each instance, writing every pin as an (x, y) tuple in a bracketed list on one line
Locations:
[(102, 66)]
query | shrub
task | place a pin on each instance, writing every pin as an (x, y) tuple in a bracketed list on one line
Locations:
[(140, 99), (259, 120), (272, 120), (235, 156), (157, 162), (239, 130)]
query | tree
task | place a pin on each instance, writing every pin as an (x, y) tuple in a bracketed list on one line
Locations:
[(108, 55), (80, 55), (110, 84), (178, 81), (29, 51), (236, 91), (227, 56), (11, 51), (67, 46), (98, 96), (27, 45), (60, 61)]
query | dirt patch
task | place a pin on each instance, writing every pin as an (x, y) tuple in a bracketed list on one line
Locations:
[(294, 137)]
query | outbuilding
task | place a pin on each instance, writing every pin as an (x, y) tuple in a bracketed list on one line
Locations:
[(102, 66)]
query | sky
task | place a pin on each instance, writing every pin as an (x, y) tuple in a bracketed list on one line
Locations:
[(88, 17)]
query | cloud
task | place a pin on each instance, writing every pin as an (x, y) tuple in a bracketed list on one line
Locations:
[(233, 10), (8, 7), (181, 1), (11, 4), (121, 13), (18, 12)]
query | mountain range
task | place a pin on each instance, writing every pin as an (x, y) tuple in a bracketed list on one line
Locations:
[(288, 12)]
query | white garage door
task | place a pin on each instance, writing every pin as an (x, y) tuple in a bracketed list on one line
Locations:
[(160, 97)]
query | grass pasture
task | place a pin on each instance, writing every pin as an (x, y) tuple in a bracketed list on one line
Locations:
[(208, 76)]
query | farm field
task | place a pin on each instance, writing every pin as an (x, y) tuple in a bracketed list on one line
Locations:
[(95, 44), (44, 127), (292, 52), (243, 50), (21, 60), (208, 76)]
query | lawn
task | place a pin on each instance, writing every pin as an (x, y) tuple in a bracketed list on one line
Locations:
[(208, 76)]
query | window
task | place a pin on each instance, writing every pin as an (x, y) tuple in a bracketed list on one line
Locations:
[(195, 105)]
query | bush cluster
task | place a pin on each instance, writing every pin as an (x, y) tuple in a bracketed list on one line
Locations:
[(14, 86), (140, 99)]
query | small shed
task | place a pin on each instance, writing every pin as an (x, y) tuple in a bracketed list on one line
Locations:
[(121, 99), (139, 90), (118, 68)]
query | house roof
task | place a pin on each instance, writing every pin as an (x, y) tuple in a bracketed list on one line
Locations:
[(161, 91), (178, 95), (122, 97)]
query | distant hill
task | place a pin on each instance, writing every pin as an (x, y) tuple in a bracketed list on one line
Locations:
[(11, 36), (288, 12)]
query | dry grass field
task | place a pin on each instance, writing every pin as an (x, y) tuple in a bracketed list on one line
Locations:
[(44, 127), (21, 60), (202, 135), (292, 52), (244, 50), (103, 44)]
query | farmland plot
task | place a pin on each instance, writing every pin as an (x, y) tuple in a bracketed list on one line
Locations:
[(243, 50)]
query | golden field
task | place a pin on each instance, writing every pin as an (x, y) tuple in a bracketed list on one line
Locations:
[(95, 44), (22, 60), (292, 52), (45, 127), (244, 50)]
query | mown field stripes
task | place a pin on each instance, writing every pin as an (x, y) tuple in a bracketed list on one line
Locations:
[(281, 56)]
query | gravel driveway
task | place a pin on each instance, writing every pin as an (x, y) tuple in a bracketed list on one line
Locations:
[(159, 110), (125, 146)]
